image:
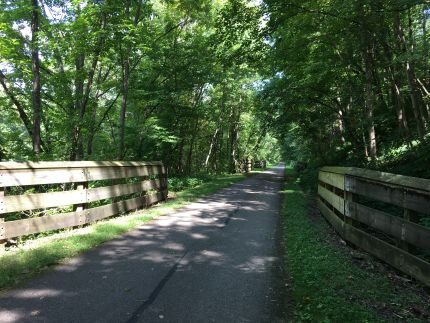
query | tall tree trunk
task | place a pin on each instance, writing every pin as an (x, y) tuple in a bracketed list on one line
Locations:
[(179, 165), (410, 74), (211, 146), (370, 101), (216, 134), (415, 89), (425, 41), (189, 163), (234, 137), (126, 81), (35, 68), (426, 96), (368, 42), (125, 85), (399, 104), (392, 70), (341, 126), (20, 108), (197, 97), (79, 94), (82, 93), (92, 126)]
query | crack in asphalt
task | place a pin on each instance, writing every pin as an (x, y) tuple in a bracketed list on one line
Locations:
[(229, 216), (154, 294)]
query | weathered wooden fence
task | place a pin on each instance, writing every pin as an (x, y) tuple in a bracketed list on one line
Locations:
[(260, 164), (124, 186), (382, 213)]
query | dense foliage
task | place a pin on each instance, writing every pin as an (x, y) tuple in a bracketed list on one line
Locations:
[(351, 81), (133, 80), (204, 84)]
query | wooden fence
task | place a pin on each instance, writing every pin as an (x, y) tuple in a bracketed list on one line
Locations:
[(381, 213), (122, 186)]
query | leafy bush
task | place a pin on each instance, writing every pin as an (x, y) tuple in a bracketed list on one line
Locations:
[(177, 184)]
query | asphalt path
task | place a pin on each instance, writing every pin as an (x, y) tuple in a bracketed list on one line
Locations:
[(214, 260)]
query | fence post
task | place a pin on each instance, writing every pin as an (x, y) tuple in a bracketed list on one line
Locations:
[(2, 220), (411, 216), (164, 183), (81, 206), (248, 165), (347, 197)]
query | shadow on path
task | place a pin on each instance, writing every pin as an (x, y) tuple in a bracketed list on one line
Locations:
[(208, 262)]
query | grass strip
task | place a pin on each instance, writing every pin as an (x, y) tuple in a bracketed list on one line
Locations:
[(326, 286), (37, 255)]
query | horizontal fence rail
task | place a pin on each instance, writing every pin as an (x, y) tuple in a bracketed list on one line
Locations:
[(387, 215), (44, 196)]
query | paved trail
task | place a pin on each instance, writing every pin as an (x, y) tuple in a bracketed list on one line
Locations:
[(211, 261)]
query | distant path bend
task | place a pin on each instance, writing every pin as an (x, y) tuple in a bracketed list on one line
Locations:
[(211, 261)]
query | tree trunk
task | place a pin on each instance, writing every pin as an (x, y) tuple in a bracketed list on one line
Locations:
[(126, 82), (216, 134), (190, 150), (234, 137), (79, 93), (426, 95), (22, 114), (179, 166), (399, 104), (410, 74), (125, 85), (211, 146), (36, 87), (82, 93), (416, 92), (370, 101)]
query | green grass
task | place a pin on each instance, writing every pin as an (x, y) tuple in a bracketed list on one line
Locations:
[(326, 286), (39, 254)]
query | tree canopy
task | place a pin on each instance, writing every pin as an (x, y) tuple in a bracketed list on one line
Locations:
[(204, 84), (352, 78), (133, 80)]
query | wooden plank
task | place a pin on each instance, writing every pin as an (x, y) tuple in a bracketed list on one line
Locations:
[(102, 193), (394, 179), (74, 164), (24, 177), (19, 228), (332, 218), (336, 201), (16, 203), (333, 179), (400, 228), (409, 199), (106, 211), (336, 170), (122, 172), (60, 221), (398, 258)]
